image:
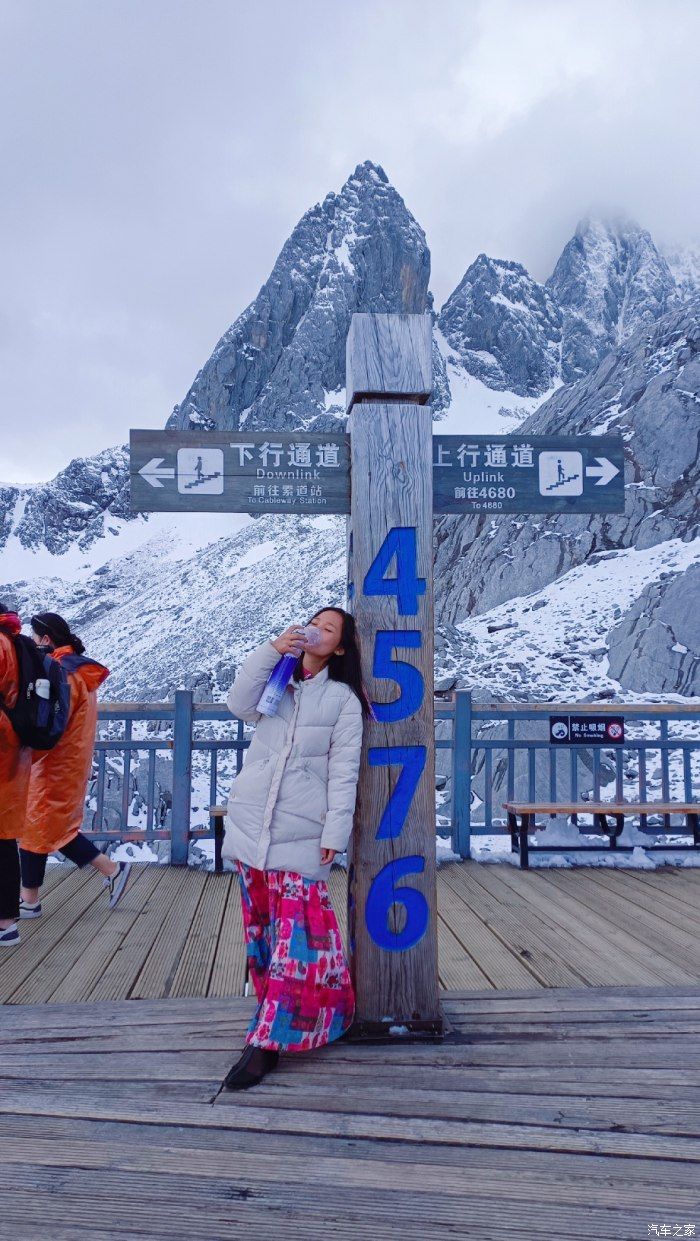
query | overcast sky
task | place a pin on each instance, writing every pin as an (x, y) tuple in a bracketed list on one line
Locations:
[(157, 153)]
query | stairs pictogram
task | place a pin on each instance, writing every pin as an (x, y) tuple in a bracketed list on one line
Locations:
[(561, 482), (205, 478)]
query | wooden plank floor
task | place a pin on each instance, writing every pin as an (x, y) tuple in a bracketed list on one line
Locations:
[(558, 1113), (178, 933)]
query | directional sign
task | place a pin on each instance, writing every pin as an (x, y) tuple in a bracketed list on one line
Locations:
[(528, 474), (230, 472)]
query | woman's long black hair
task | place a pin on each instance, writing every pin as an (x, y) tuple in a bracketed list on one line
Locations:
[(58, 630), (346, 667)]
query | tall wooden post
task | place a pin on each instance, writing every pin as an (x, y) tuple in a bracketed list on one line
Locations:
[(392, 888)]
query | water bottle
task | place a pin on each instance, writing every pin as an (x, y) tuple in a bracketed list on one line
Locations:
[(42, 689), (281, 674)]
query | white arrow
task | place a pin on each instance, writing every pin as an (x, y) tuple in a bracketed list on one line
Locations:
[(604, 468), (153, 472)]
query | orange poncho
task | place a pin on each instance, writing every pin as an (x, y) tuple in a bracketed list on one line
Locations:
[(59, 777), (15, 759)]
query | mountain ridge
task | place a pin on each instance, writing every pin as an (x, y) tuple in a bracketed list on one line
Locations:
[(508, 351)]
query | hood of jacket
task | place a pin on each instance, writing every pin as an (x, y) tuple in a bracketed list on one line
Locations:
[(89, 670), (10, 623)]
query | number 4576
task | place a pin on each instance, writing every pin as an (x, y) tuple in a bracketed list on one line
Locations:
[(400, 545)]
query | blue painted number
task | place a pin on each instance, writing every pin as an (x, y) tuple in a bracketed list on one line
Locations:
[(383, 894), (401, 543), (408, 678), (412, 759)]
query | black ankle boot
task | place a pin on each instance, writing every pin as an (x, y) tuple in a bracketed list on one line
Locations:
[(253, 1065)]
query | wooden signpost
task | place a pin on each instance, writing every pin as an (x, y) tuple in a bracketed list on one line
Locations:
[(392, 885), (401, 474)]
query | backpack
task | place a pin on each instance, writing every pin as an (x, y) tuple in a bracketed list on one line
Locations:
[(40, 715)]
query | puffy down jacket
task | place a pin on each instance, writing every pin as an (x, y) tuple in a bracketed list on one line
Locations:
[(295, 793)]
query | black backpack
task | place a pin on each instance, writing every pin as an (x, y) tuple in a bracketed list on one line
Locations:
[(40, 715)]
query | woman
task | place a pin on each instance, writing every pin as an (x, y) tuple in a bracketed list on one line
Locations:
[(289, 813), (15, 766), (59, 777)]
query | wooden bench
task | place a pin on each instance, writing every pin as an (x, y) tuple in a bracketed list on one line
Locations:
[(608, 820)]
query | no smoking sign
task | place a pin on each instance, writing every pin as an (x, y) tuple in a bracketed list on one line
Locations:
[(587, 729)]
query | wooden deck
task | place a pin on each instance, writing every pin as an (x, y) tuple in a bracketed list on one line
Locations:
[(559, 1113), (178, 933), (564, 1102)]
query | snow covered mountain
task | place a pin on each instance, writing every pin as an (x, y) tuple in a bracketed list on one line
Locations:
[(510, 332), (88, 500), (282, 363), (684, 263), (170, 600), (609, 281), (505, 327), (194, 594), (593, 604)]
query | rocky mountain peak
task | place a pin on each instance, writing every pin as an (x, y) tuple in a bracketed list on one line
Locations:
[(368, 173), (609, 282), (511, 332), (684, 262), (647, 391), (504, 326), (76, 507), (281, 364)]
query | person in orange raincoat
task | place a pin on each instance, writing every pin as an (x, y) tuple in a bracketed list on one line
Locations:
[(15, 766), (59, 777)]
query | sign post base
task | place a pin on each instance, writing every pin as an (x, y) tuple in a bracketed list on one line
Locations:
[(387, 1032)]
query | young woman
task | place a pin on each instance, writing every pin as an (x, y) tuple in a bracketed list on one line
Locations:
[(290, 811), (15, 766), (59, 777)]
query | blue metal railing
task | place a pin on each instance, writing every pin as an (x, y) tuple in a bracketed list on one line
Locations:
[(562, 769), (484, 771), (167, 815)]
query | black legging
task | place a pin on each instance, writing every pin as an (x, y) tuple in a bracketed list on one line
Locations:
[(80, 850), (9, 879)]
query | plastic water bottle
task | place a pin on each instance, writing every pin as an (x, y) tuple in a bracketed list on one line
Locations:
[(42, 689), (281, 674)]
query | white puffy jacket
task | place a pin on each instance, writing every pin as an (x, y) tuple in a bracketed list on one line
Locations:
[(295, 792)]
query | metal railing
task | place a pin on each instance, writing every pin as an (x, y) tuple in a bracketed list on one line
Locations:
[(491, 761), (167, 817), (491, 769)]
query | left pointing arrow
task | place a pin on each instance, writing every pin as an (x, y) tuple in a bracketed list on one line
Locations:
[(153, 471)]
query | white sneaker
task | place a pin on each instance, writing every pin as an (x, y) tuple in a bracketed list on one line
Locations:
[(10, 936), (117, 883), (29, 911)]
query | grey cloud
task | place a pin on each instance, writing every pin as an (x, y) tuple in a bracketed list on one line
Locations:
[(156, 157)]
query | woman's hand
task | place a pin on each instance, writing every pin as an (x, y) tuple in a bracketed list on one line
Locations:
[(291, 642), (327, 856)]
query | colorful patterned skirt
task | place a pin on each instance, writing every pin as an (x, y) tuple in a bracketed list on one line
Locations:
[(295, 960)]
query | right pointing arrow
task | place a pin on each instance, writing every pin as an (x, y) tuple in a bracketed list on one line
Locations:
[(605, 469), (153, 471)]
